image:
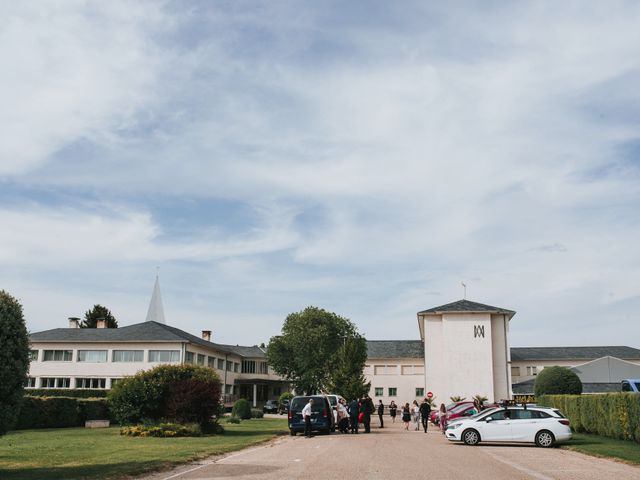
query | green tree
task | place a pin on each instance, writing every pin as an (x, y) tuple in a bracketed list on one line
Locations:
[(308, 350), (347, 377), (98, 312), (557, 381), (14, 359)]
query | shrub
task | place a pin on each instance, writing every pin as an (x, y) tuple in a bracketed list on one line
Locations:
[(66, 392), (557, 381), (255, 413), (14, 359), (163, 430), (614, 415), (241, 409), (59, 412), (233, 420), (167, 393)]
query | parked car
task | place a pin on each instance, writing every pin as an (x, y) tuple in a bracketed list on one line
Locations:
[(543, 426), (435, 411), (321, 414), (333, 401), (284, 407), (630, 385), (270, 407)]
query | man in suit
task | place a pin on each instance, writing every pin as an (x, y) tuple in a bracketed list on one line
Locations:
[(381, 413), (354, 411), (367, 409), (425, 413)]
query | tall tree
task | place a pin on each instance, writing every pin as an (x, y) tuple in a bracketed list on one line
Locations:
[(14, 359), (98, 312), (307, 352), (347, 377)]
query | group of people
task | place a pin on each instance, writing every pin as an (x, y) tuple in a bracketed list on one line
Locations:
[(414, 413), (357, 411)]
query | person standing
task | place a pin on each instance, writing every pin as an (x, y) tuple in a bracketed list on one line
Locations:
[(306, 414), (354, 411), (343, 417), (381, 413), (425, 413), (393, 409), (406, 415), (415, 415), (367, 410), (443, 418)]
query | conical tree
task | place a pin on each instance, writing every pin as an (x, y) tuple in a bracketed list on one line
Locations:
[(14, 359), (98, 312), (347, 377)]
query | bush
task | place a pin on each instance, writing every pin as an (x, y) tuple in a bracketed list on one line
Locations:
[(173, 393), (614, 415), (59, 412), (286, 396), (164, 430), (241, 409), (66, 392), (557, 381), (14, 359), (255, 413), (235, 420)]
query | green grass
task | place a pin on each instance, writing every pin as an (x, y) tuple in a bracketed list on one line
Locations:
[(627, 451), (100, 453)]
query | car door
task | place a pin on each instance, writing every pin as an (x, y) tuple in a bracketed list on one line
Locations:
[(524, 425), (496, 427)]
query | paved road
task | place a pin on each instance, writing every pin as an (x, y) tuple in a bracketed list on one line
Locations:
[(392, 453)]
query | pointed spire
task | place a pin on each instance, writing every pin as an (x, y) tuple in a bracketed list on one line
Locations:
[(156, 310)]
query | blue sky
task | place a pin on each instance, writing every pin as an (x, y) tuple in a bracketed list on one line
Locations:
[(363, 157)]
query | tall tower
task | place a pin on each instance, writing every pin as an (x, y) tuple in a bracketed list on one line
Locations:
[(156, 310)]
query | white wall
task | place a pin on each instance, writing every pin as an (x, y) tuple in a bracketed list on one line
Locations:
[(405, 374)]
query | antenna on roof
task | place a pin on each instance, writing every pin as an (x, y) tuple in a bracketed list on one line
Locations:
[(465, 290)]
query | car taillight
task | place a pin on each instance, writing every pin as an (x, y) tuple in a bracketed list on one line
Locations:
[(324, 412), (565, 422), (290, 414)]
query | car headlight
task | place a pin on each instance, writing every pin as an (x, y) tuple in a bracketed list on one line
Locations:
[(453, 426)]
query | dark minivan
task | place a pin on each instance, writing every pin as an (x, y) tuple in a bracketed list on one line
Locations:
[(321, 414)]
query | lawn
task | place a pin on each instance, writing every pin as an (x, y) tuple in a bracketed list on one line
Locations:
[(595, 445), (100, 453)]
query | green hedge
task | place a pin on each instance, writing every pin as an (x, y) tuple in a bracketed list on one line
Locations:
[(65, 392), (614, 415), (58, 412), (241, 409)]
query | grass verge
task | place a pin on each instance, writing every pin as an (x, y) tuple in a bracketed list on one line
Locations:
[(71, 453), (598, 446)]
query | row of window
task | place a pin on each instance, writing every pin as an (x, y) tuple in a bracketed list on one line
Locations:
[(65, 382), (531, 371), (393, 369), (393, 392)]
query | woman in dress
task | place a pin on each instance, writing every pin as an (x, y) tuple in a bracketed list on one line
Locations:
[(443, 418), (406, 415), (393, 408), (415, 414)]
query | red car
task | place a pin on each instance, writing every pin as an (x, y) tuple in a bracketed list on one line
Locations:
[(435, 419)]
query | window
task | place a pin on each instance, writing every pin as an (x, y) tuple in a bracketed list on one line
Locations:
[(220, 364), (91, 382), (55, 382), (30, 382), (379, 391), (92, 356), (393, 392), (277, 391), (127, 356), (211, 362), (57, 356), (228, 389), (33, 355), (164, 356), (515, 371), (532, 371), (385, 369), (201, 358), (236, 367), (264, 368), (188, 357), (419, 392), (115, 381), (229, 366), (248, 366), (412, 369)]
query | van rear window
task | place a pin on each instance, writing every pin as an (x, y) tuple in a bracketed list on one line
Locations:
[(298, 404)]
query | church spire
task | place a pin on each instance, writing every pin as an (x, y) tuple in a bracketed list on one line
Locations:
[(156, 310)]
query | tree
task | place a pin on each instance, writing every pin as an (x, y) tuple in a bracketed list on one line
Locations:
[(98, 312), (347, 377), (557, 381), (457, 398), (307, 353), (14, 359)]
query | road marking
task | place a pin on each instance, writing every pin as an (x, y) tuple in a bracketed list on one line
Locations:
[(517, 466)]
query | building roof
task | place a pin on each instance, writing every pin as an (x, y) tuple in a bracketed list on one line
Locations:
[(466, 306), (572, 353), (395, 349), (140, 332), (156, 310)]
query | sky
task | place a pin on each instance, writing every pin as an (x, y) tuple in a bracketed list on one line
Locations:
[(363, 157)]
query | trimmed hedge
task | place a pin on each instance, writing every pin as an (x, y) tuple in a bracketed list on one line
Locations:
[(255, 413), (241, 409), (614, 415), (60, 412), (66, 392), (164, 430)]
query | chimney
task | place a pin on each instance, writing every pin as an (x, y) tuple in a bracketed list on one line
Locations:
[(74, 322), (101, 323), (206, 335)]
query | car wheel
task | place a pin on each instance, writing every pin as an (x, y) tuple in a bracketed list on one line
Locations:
[(471, 437), (545, 439), (292, 432)]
